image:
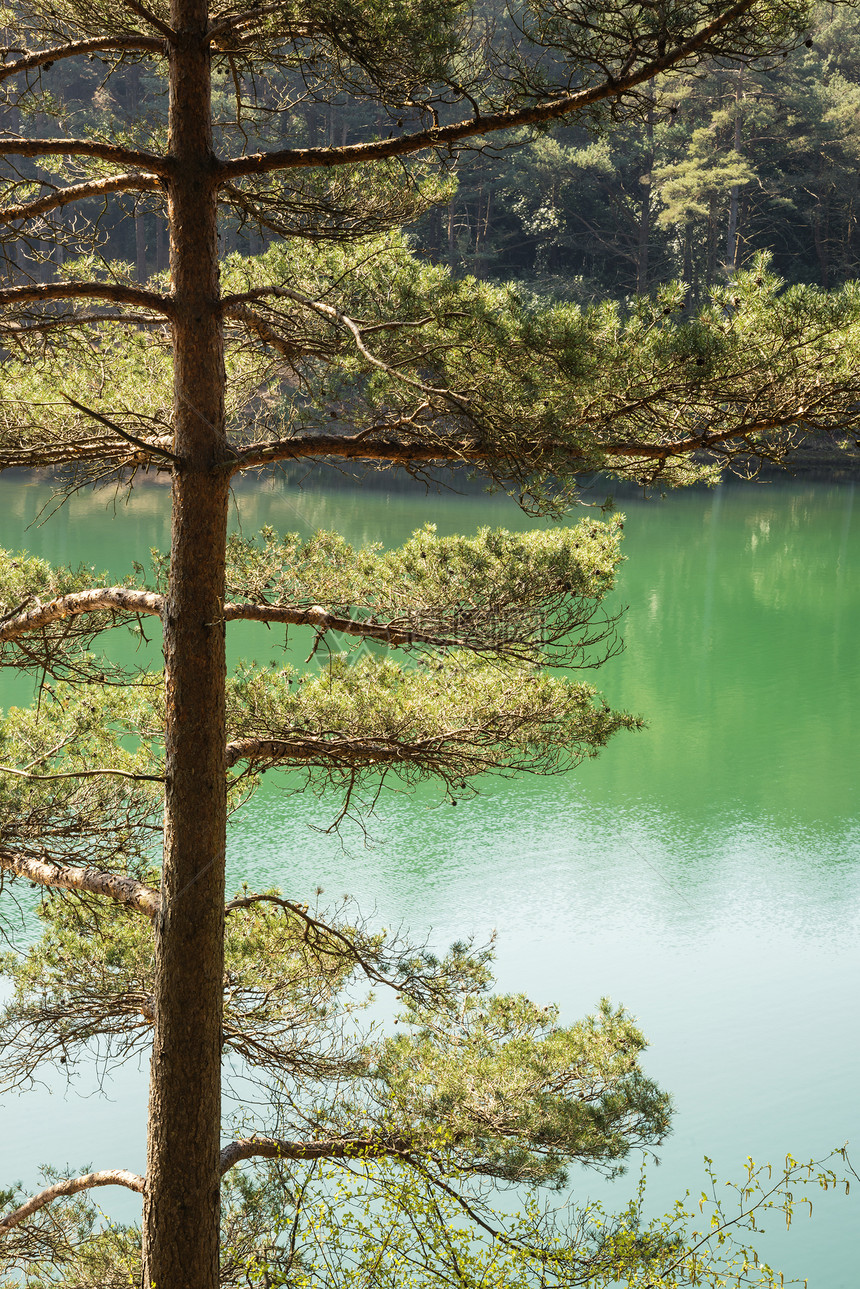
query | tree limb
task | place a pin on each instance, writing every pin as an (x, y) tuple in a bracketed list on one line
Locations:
[(79, 192), (343, 320), (125, 599), (147, 15), (77, 320), (379, 445), (251, 17), (276, 1148), (70, 1186), (263, 331), (306, 747), (116, 292), (508, 119), (83, 774), (69, 877), (363, 447), (341, 749), (118, 44), (704, 441), (20, 147), (145, 446), (111, 598), (321, 930), (317, 616)]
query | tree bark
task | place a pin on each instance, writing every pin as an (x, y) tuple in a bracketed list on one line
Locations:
[(181, 1202)]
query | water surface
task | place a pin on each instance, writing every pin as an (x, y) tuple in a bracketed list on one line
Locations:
[(705, 872)]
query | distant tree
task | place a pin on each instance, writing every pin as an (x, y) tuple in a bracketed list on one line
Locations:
[(725, 162), (332, 342)]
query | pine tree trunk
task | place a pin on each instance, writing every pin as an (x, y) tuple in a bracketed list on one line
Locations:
[(182, 1193)]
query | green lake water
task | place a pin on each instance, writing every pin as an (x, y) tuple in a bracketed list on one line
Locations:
[(705, 872)]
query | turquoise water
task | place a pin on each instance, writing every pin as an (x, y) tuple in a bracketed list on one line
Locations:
[(705, 872)]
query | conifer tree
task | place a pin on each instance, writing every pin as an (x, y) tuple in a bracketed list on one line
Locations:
[(332, 126)]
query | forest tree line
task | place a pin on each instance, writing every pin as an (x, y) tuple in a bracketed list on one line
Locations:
[(722, 164)]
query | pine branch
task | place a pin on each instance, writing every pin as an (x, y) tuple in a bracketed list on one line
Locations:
[(366, 446), (70, 1186), (145, 446), (259, 327), (321, 933), (144, 12), (374, 1147), (77, 320), (69, 877), (355, 330), (79, 192), (317, 616), (83, 774), (113, 291), (301, 748), (18, 147), (477, 126), (118, 44), (111, 598)]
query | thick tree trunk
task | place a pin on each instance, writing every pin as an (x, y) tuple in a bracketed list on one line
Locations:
[(182, 1189)]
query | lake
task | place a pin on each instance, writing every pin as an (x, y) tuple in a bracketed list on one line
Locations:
[(705, 872)]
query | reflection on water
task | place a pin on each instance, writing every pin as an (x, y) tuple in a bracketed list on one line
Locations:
[(706, 871)]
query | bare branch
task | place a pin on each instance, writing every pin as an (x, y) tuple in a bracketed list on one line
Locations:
[(337, 1148), (154, 448), (317, 616), (364, 447), (70, 1186), (510, 119), (117, 44), (124, 890), (110, 598), (19, 147), (116, 292), (79, 192)]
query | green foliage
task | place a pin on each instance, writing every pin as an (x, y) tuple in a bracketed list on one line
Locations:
[(535, 394), (383, 1225), (452, 719), (60, 803), (342, 339), (495, 572), (527, 1093)]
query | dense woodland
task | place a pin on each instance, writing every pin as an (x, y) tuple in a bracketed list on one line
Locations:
[(727, 162)]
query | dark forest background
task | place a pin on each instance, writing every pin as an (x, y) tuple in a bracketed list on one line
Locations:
[(720, 165)]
